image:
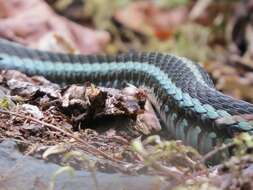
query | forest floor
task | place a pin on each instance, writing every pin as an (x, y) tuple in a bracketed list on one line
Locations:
[(113, 134)]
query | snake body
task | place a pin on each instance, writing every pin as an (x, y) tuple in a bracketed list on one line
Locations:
[(189, 105)]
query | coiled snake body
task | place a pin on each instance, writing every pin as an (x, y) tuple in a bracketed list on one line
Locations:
[(191, 108)]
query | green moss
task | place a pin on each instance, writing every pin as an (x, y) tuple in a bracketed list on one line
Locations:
[(4, 103)]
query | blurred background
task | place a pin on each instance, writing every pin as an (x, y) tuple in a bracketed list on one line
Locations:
[(218, 34)]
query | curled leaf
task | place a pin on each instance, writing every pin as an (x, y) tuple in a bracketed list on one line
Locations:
[(57, 149)]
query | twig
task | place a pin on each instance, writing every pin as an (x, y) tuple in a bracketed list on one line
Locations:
[(87, 145), (243, 61), (215, 151), (172, 172), (199, 8)]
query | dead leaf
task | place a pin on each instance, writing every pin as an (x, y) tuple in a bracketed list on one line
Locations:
[(146, 17), (22, 21), (57, 149), (31, 109), (26, 87)]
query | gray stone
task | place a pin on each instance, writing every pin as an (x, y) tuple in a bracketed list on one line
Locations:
[(27, 173)]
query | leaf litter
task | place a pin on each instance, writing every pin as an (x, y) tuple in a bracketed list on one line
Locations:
[(103, 129), (58, 122)]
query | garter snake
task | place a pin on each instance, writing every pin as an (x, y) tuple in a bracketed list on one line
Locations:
[(189, 105)]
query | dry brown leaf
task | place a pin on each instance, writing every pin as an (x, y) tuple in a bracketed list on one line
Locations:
[(145, 17), (29, 21)]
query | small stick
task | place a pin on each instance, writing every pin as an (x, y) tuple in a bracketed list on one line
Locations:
[(199, 7), (60, 130), (215, 151)]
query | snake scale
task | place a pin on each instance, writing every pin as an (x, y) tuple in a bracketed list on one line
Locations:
[(189, 105)]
